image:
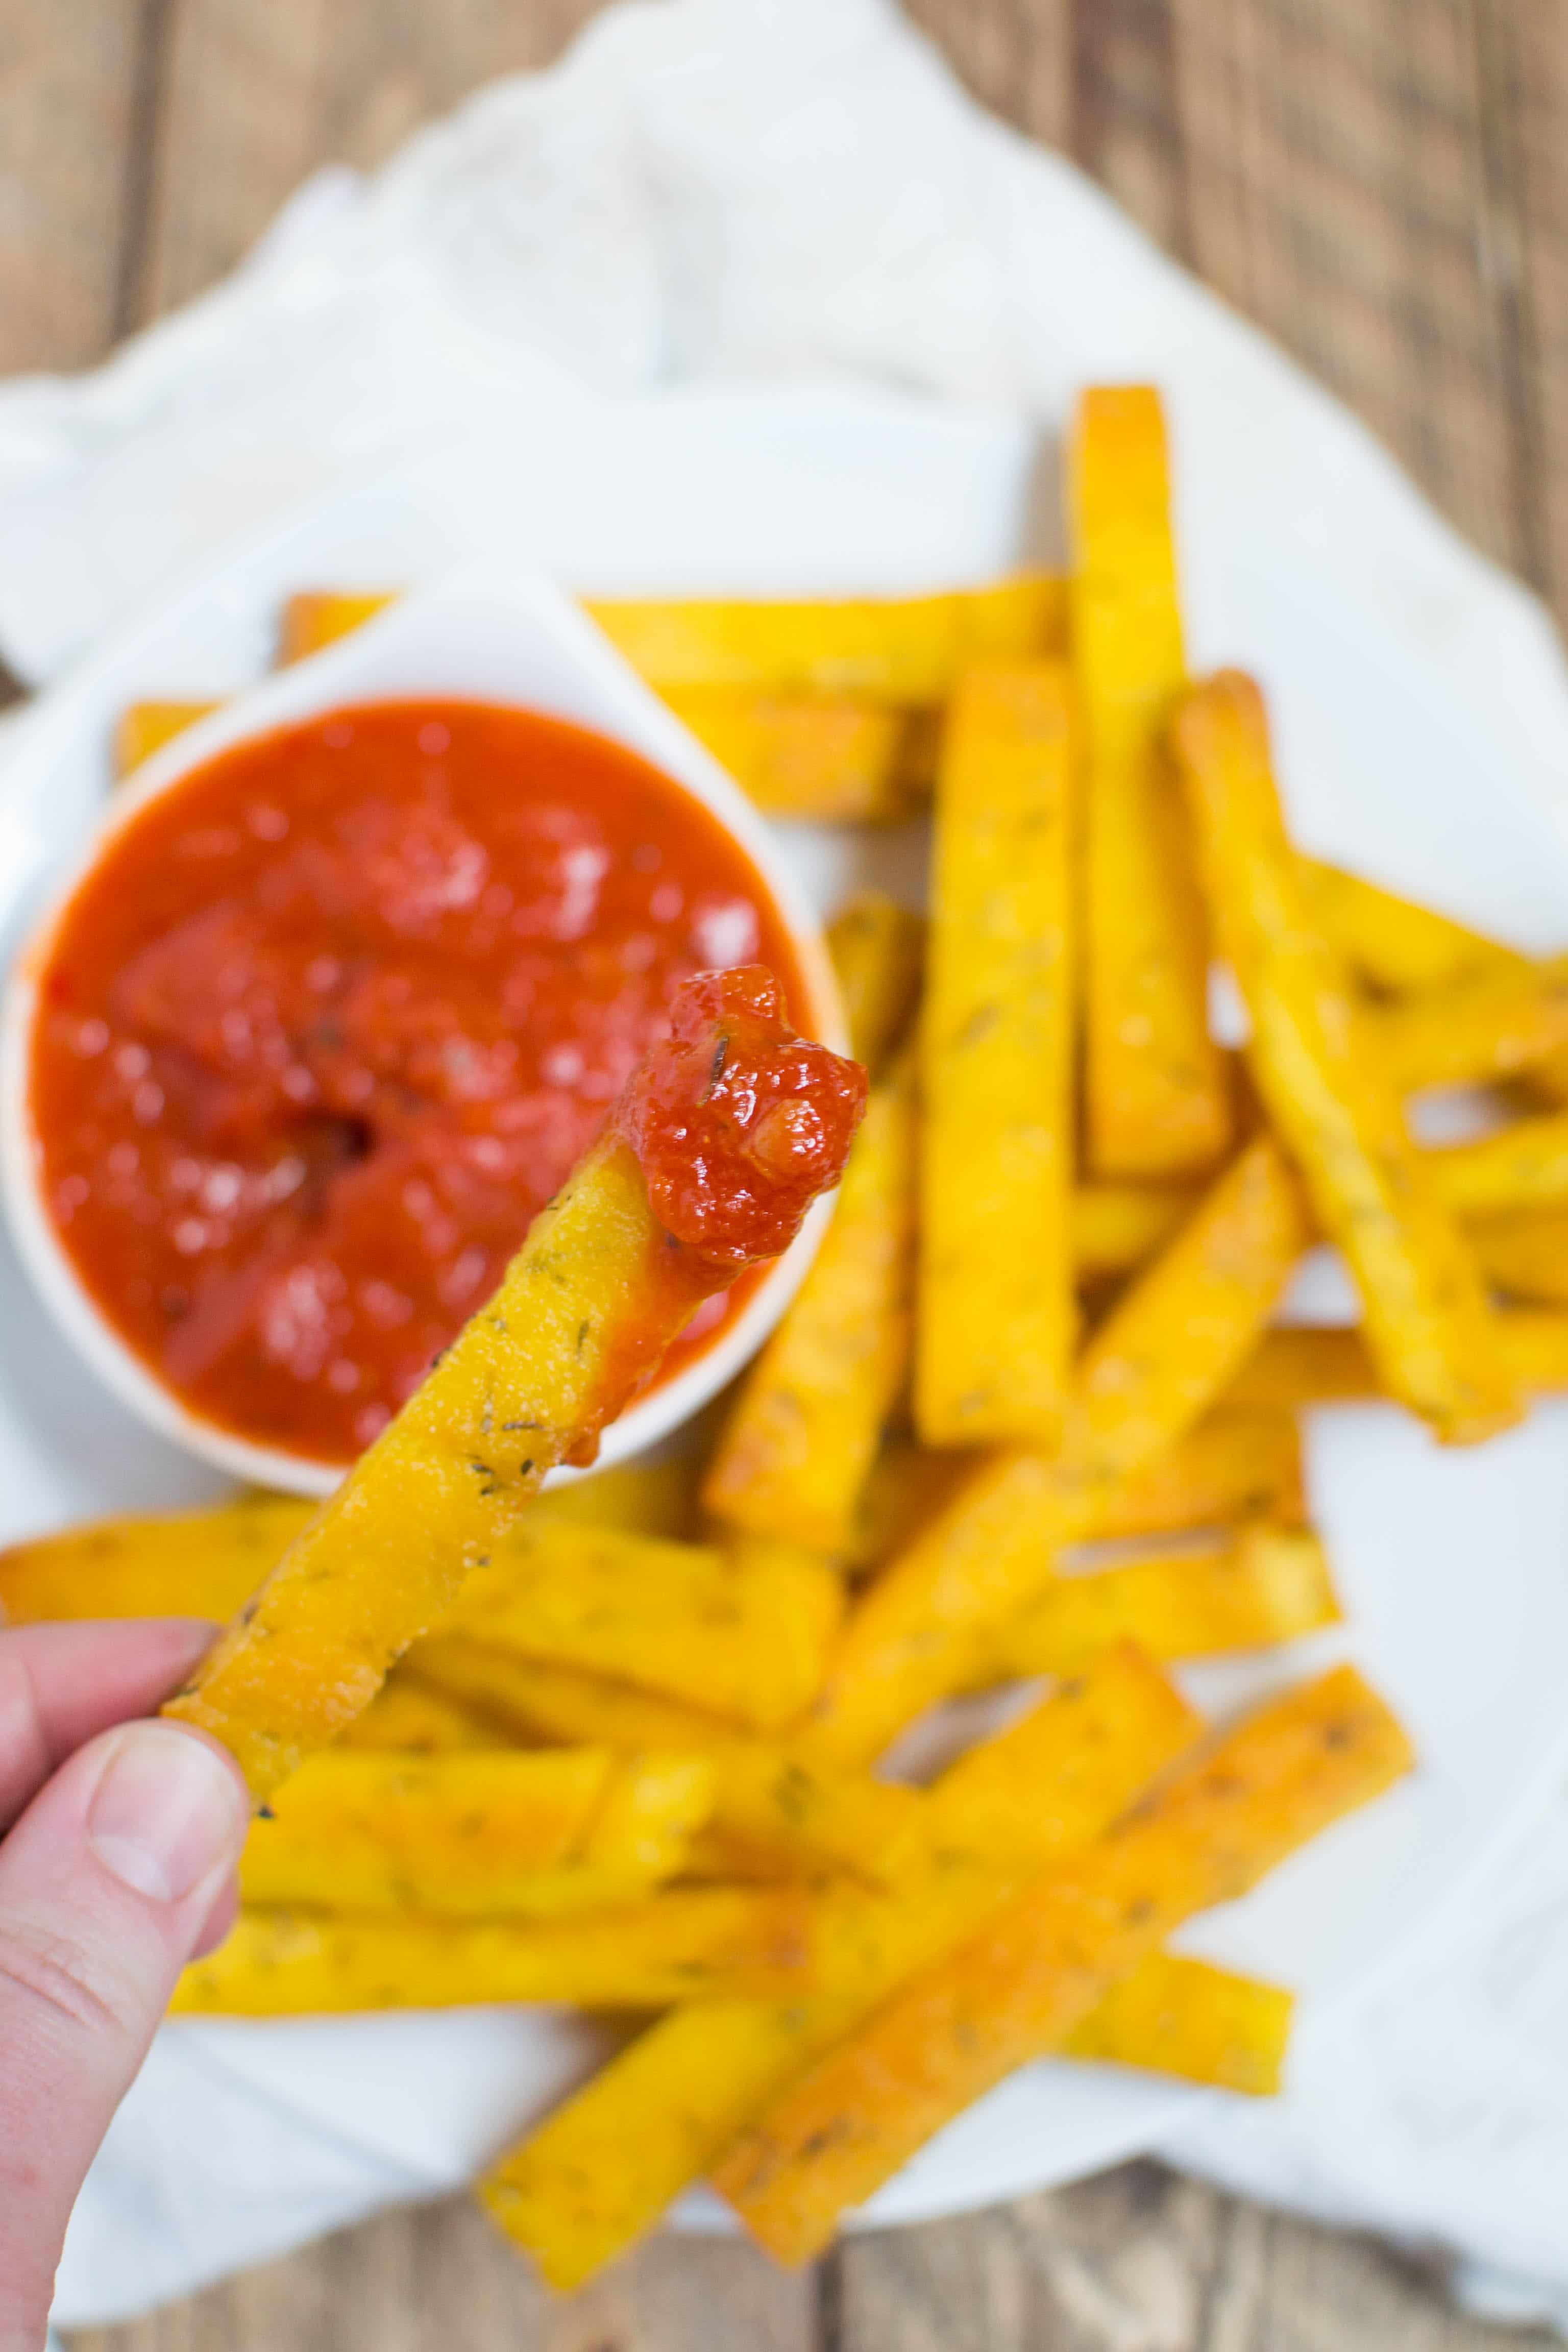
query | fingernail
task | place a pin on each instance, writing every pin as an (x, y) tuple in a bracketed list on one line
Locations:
[(167, 1810)]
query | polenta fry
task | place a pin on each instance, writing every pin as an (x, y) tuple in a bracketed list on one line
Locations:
[(145, 726), (1335, 1104), (797, 1448), (201, 1563), (1156, 1099), (997, 1318), (878, 950), (1396, 946), (1175, 2016), (672, 1947)]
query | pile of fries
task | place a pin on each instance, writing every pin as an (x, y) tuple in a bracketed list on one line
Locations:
[(1030, 1419)]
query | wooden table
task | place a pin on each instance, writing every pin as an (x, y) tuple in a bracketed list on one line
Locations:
[(1383, 185)]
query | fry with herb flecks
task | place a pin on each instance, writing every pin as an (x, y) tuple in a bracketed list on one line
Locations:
[(1335, 1101), (1155, 1097), (1396, 946), (730, 1940), (599, 2171), (996, 1317), (169, 1564), (705, 1167), (1211, 1830), (1265, 1584), (799, 1444), (1187, 2018), (742, 1629), (1498, 1023), (815, 759), (924, 1629)]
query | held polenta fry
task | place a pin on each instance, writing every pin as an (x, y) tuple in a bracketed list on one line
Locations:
[(924, 1629), (1156, 1100), (646, 1227), (997, 1316), (798, 1446), (1211, 1830), (1335, 1103)]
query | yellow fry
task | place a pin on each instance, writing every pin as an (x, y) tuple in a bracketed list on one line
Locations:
[(1207, 1833), (145, 726), (743, 1630), (1175, 2016), (317, 618), (1523, 1254), (1265, 1585), (798, 1446), (878, 950), (175, 1564), (644, 1499), (1171, 1347), (405, 1720), (584, 1310), (900, 649), (897, 649), (1524, 1165), (1156, 1099), (1117, 1228), (815, 759), (1313, 1364), (1232, 1464), (774, 1812), (1495, 1024), (1333, 1100), (672, 1947), (492, 1833), (599, 2171), (1394, 946), (995, 1316)]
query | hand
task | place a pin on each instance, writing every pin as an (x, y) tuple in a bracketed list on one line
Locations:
[(116, 1867)]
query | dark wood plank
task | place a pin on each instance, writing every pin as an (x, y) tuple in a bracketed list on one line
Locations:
[(70, 88), (253, 97), (441, 2280)]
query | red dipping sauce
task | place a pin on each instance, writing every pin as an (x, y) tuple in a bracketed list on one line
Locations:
[(332, 1018)]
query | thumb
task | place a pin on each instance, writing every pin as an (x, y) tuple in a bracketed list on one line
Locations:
[(107, 1882)]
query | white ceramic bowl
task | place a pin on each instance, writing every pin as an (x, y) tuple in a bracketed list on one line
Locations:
[(490, 637)]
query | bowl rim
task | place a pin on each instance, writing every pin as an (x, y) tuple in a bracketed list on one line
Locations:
[(343, 674)]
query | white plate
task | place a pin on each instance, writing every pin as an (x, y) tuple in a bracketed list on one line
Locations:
[(1451, 1565)]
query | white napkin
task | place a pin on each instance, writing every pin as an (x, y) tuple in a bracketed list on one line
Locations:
[(714, 190)]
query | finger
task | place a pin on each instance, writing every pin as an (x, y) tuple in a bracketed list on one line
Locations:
[(220, 1919), (59, 1684), (107, 1882)]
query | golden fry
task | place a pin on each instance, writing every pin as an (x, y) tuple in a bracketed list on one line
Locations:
[(995, 1314), (672, 1946), (1495, 1024), (878, 950), (317, 618), (1156, 1098), (1173, 1345), (1265, 1584), (798, 1446), (493, 1833), (145, 726), (1523, 1166), (815, 759), (1335, 1103), (1184, 2017), (743, 1632), (402, 1719), (1523, 1254), (1207, 1833), (1232, 1464), (203, 1563), (1117, 1228), (1394, 946)]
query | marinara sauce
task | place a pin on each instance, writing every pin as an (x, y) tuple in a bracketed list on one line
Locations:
[(333, 1018)]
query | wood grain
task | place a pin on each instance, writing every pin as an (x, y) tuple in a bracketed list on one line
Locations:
[(71, 91), (1383, 185)]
